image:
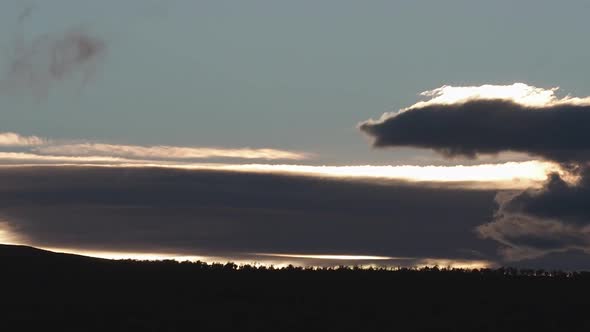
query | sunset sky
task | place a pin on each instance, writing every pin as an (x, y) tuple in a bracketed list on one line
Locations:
[(306, 132)]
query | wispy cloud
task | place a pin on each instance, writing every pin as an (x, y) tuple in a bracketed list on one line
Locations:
[(10, 139), (166, 152), (64, 148)]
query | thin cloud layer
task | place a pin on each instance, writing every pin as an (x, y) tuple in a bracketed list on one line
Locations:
[(470, 121), (509, 175), (41, 151), (165, 152), (64, 149)]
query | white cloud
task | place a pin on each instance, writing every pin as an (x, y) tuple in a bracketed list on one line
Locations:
[(165, 152), (519, 93), (510, 175), (14, 139)]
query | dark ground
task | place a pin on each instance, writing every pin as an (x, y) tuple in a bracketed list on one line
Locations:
[(44, 291)]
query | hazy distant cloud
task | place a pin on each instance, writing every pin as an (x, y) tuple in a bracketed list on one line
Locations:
[(9, 139), (469, 121)]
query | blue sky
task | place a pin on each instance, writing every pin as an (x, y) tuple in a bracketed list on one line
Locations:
[(295, 75)]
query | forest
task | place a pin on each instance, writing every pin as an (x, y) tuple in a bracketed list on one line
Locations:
[(46, 291)]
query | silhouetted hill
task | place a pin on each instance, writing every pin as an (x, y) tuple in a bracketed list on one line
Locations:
[(26, 252), (45, 291), (21, 251)]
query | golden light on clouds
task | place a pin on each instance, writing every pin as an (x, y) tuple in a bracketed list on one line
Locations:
[(333, 257), (165, 152), (505, 175), (8, 236), (518, 92), (14, 139), (509, 175)]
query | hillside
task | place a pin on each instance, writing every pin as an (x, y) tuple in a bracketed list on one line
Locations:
[(48, 291)]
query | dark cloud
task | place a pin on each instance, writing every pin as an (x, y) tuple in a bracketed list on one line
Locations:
[(207, 212), (527, 224), (488, 127), (41, 61), (535, 222), (556, 200), (573, 260)]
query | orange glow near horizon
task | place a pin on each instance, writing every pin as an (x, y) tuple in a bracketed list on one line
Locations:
[(509, 175), (284, 260), (333, 257)]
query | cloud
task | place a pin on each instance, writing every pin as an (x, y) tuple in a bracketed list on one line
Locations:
[(41, 151), (550, 219), (37, 64), (510, 175), (470, 121), (65, 149), (228, 214), (165, 152), (10, 139), (519, 93), (467, 123)]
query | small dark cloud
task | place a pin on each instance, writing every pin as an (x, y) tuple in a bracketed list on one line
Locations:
[(37, 63)]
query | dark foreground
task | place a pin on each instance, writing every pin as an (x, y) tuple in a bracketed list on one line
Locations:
[(43, 291)]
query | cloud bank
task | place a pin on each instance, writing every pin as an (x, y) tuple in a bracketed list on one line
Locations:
[(235, 214), (470, 121)]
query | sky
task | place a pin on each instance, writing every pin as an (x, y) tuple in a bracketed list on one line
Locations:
[(386, 132)]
